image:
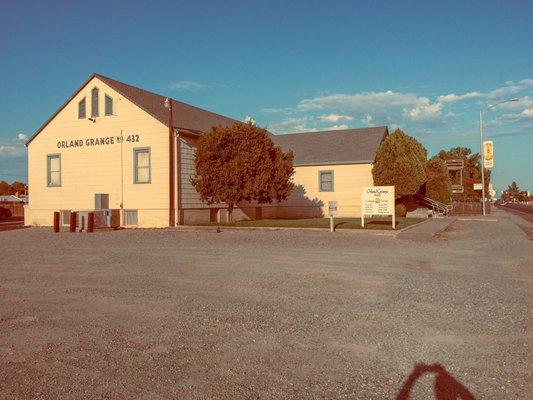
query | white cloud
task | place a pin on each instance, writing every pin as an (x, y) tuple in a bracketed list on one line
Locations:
[(452, 97), (12, 151), (367, 119), (22, 137), (336, 127), (292, 125), (249, 119), (187, 86), (361, 101), (527, 113), (335, 118)]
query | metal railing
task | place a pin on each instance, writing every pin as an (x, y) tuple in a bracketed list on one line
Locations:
[(437, 207)]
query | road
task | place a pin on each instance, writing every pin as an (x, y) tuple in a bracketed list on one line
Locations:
[(266, 314), (523, 210)]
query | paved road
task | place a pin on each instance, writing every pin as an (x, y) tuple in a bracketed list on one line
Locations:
[(524, 211), (266, 315)]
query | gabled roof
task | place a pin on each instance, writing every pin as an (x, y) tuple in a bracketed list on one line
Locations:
[(347, 146), (185, 117)]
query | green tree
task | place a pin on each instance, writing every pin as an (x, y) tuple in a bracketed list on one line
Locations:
[(513, 193), (4, 188), (241, 163), (18, 188), (400, 161), (438, 185), (471, 171)]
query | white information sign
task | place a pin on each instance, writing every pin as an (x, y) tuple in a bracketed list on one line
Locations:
[(332, 208), (379, 201), (478, 186)]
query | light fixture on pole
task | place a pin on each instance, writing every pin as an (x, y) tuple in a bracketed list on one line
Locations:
[(481, 147)]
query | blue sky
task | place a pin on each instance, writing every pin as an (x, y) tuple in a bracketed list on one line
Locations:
[(426, 66)]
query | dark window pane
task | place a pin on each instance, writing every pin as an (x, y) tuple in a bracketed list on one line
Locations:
[(81, 109), (94, 103), (108, 105)]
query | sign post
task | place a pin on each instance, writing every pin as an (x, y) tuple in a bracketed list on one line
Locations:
[(377, 200), (332, 211)]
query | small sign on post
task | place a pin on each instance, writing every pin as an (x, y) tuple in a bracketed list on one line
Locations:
[(378, 200), (488, 153), (332, 211), (478, 186)]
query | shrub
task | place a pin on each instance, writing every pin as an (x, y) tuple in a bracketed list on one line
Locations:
[(400, 210)]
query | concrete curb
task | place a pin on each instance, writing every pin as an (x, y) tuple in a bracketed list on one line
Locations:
[(384, 232)]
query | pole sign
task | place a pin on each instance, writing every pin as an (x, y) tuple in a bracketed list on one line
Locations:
[(478, 186), (332, 208), (488, 153), (378, 201)]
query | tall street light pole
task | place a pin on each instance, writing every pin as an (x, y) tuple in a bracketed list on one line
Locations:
[(481, 147)]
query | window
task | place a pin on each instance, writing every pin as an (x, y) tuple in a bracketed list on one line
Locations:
[(130, 218), (53, 168), (141, 165), (325, 181), (65, 217), (81, 109), (94, 103), (101, 201), (108, 105)]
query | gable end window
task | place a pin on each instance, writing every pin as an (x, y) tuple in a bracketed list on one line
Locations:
[(82, 114), (325, 181), (141, 165), (53, 170), (108, 105), (94, 103)]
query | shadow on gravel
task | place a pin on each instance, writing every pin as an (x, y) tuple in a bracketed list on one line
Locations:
[(446, 386)]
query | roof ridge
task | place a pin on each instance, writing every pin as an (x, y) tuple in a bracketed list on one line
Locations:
[(160, 95)]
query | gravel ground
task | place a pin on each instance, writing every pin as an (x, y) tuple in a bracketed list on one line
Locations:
[(157, 314)]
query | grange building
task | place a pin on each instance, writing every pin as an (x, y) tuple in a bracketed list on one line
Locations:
[(116, 146)]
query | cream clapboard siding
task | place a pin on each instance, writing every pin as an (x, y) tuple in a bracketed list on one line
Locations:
[(308, 201), (88, 170)]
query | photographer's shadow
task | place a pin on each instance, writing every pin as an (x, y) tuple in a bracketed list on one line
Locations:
[(446, 386)]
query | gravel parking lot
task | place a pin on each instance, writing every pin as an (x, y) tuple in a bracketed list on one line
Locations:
[(157, 314)]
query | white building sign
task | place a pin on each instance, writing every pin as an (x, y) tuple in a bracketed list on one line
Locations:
[(377, 201)]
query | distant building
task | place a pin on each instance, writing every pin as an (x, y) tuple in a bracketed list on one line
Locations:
[(11, 199), (109, 147)]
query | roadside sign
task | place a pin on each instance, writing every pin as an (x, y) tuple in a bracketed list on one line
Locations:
[(378, 200), (478, 186), (488, 154), (332, 208)]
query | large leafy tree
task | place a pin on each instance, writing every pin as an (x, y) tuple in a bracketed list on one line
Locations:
[(241, 163), (438, 185), (14, 188), (400, 161)]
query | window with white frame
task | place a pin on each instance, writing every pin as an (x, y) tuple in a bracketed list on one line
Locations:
[(141, 165), (325, 181), (53, 170), (130, 218)]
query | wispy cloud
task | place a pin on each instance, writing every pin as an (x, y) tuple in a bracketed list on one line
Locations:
[(188, 86), (404, 109), (335, 118)]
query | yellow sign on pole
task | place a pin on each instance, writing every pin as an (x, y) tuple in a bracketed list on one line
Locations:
[(488, 153)]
